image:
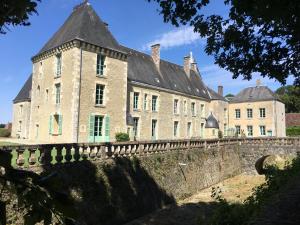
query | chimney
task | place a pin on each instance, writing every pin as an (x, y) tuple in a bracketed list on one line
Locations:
[(220, 90), (155, 53), (258, 82), (187, 65)]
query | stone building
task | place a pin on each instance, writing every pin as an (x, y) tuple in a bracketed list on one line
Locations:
[(86, 87)]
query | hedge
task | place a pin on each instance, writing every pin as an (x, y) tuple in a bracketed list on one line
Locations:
[(120, 137), (4, 132), (293, 131)]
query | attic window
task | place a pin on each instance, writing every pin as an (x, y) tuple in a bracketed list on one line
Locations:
[(157, 80)]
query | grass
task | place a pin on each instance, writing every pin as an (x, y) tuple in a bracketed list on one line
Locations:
[(5, 143)]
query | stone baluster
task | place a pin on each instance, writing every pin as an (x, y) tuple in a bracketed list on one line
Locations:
[(69, 151), (20, 156), (108, 151), (32, 157), (77, 153), (59, 156), (92, 152), (46, 157), (85, 152)]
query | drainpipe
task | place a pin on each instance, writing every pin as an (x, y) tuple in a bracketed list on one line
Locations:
[(275, 120), (78, 116)]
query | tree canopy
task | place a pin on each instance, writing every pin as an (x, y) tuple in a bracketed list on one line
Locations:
[(257, 36), (290, 95), (16, 12)]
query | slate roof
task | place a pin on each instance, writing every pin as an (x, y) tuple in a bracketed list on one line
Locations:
[(211, 122), (215, 96), (24, 94), (141, 68), (252, 94), (83, 24)]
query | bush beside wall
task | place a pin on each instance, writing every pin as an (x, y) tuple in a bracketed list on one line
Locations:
[(293, 131), (4, 132)]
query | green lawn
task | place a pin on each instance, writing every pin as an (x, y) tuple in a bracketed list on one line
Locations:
[(4, 143)]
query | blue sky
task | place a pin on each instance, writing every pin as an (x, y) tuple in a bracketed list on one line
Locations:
[(134, 23)]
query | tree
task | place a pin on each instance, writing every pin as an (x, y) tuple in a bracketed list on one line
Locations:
[(16, 12), (290, 95), (229, 95), (257, 36)]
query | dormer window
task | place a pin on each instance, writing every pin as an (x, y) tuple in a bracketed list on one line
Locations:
[(100, 64), (58, 65)]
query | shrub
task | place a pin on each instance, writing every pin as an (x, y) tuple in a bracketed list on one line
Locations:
[(220, 134), (122, 137), (293, 131), (2, 125), (4, 132)]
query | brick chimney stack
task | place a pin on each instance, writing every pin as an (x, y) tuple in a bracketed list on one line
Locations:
[(155, 53), (220, 90), (187, 65)]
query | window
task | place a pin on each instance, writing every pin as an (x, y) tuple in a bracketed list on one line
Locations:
[(238, 130), (176, 106), (20, 126), (57, 93), (193, 109), (189, 129), (99, 100), (98, 125), (145, 102), (202, 111), (37, 131), (136, 100), (153, 129), (202, 130), (225, 129), (237, 113), (100, 64), (250, 131), (154, 103), (38, 90), (185, 107), (58, 65), (135, 126), (21, 109), (262, 130), (55, 124), (262, 112), (249, 113), (176, 128)]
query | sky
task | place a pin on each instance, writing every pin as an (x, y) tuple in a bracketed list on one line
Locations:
[(134, 23)]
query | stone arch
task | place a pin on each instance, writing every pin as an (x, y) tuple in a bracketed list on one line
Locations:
[(261, 162)]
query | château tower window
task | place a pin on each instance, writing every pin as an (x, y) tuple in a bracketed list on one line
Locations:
[(176, 123), (57, 93), (176, 110), (237, 113), (136, 100), (193, 109), (249, 113), (135, 126), (145, 102), (58, 65), (99, 94), (154, 103), (100, 64), (262, 112)]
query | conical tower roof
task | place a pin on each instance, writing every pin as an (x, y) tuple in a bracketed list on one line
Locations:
[(83, 24)]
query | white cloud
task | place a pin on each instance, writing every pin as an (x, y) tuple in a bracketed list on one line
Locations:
[(175, 38)]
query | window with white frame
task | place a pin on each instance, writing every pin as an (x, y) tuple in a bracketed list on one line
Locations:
[(237, 113), (238, 130), (99, 97), (262, 112), (193, 108), (154, 103), (154, 129), (98, 126), (225, 113), (135, 126), (136, 100), (20, 126), (262, 130), (249, 113), (189, 129), (176, 102), (100, 64), (202, 111), (57, 93), (58, 65), (202, 130), (249, 131), (176, 125)]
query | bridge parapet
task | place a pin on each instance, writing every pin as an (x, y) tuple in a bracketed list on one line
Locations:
[(27, 156)]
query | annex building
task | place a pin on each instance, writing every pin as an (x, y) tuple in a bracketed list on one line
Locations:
[(86, 87)]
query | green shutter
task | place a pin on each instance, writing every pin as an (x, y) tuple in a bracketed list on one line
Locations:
[(50, 124), (91, 128), (60, 124), (107, 128)]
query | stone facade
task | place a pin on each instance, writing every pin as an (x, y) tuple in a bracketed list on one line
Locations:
[(85, 92)]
